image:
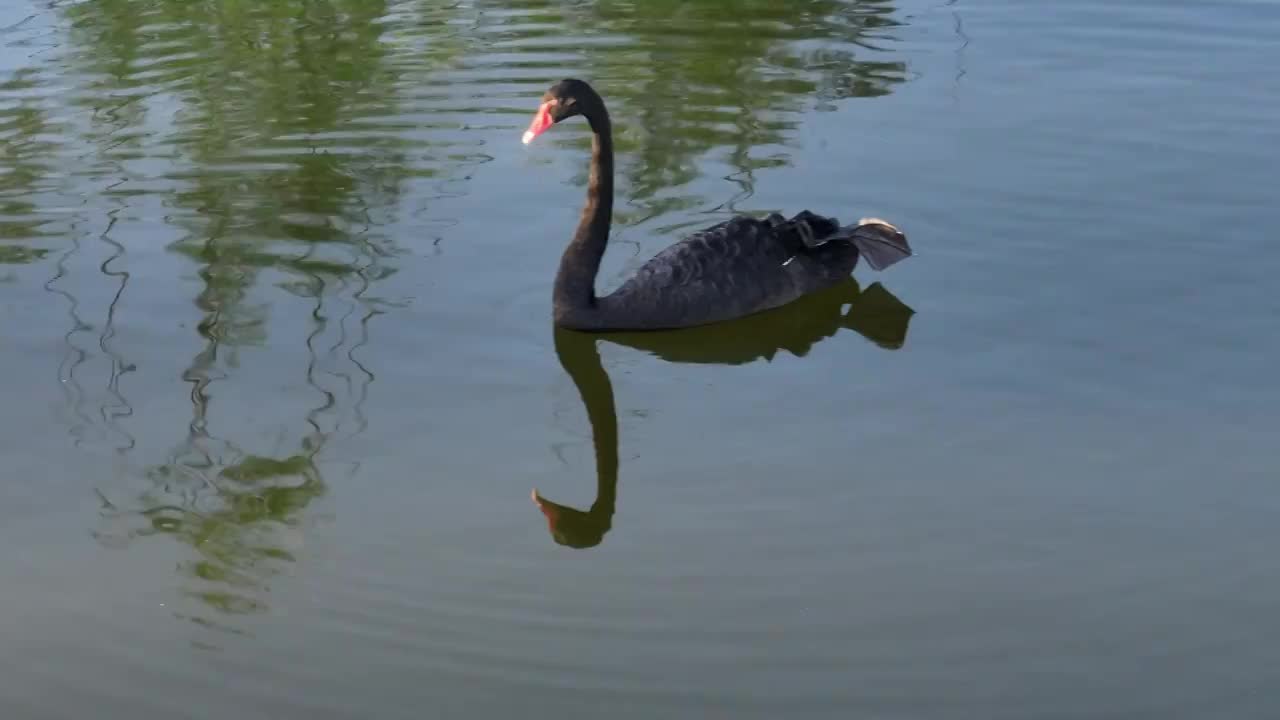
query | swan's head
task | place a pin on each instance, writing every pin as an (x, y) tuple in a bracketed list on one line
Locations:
[(562, 101)]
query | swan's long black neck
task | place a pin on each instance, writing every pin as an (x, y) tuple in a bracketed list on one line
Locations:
[(575, 281)]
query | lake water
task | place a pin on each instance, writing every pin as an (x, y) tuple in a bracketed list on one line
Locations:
[(279, 374)]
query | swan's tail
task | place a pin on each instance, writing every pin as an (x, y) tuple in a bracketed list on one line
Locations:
[(878, 242)]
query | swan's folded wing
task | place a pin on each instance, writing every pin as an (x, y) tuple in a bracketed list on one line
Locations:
[(725, 271)]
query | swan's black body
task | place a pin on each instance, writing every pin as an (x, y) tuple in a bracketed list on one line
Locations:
[(739, 267)]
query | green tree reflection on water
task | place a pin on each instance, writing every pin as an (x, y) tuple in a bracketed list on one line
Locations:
[(260, 198), (691, 81)]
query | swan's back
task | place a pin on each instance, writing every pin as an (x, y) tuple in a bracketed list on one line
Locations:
[(736, 268)]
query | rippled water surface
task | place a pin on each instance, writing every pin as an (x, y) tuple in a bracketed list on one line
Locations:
[(279, 375)]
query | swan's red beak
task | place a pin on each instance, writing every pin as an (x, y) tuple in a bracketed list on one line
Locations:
[(541, 121)]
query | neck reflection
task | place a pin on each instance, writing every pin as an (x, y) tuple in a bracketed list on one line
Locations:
[(875, 314)]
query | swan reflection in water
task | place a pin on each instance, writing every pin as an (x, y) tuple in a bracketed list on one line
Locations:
[(873, 313)]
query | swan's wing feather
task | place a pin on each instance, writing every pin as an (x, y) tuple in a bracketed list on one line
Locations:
[(727, 270)]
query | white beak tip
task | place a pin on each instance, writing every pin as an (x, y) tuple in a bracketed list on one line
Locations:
[(528, 137)]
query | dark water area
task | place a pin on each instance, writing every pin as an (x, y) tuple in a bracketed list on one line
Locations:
[(279, 374)]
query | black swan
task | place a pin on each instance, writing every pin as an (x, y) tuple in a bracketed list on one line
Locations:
[(874, 313), (739, 267)]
